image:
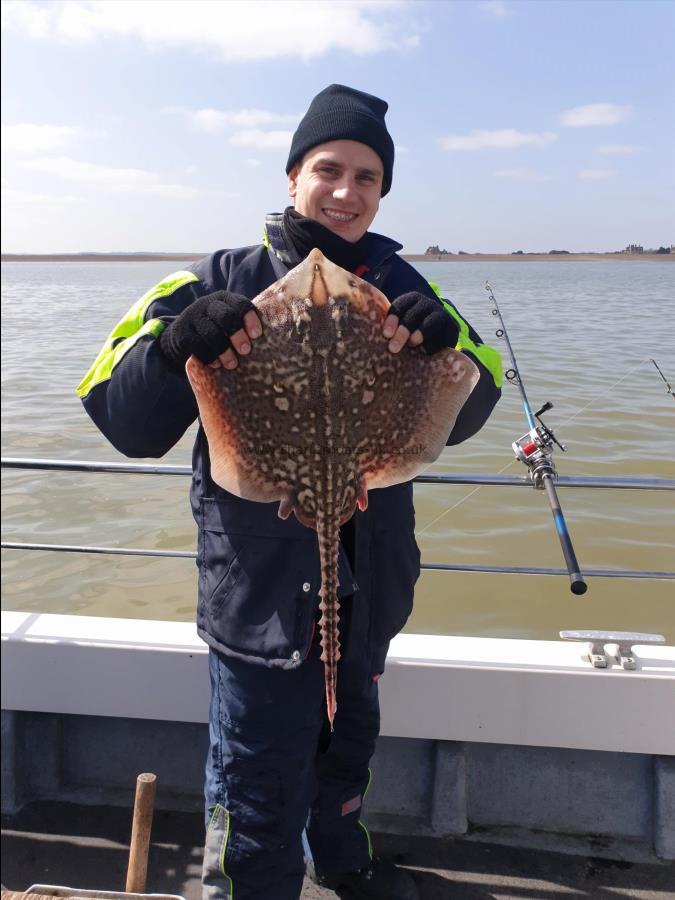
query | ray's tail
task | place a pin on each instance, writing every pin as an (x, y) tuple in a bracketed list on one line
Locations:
[(328, 530)]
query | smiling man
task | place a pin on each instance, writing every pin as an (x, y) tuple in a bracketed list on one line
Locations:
[(338, 185), (283, 793)]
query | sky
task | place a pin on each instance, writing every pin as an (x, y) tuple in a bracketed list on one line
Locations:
[(163, 125)]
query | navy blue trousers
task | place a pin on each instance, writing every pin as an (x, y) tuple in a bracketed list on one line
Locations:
[(274, 769)]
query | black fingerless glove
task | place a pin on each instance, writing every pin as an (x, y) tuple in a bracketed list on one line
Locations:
[(204, 328), (438, 327)]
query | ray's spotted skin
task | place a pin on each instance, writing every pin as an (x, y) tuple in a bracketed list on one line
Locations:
[(320, 412)]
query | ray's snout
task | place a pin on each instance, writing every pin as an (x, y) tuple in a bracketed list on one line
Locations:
[(319, 278)]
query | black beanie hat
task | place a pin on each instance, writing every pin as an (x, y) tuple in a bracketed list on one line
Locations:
[(340, 113)]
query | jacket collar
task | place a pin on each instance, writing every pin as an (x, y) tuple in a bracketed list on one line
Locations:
[(378, 247)]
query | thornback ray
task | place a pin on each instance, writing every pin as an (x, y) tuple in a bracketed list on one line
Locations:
[(320, 412)]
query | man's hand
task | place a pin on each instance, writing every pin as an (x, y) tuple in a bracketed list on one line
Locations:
[(212, 328), (415, 319)]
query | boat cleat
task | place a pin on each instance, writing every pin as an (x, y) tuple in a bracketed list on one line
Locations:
[(612, 646)]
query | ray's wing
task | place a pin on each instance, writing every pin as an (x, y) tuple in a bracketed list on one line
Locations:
[(232, 448), (402, 406), (426, 397), (256, 417)]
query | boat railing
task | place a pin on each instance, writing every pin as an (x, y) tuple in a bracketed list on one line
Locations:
[(444, 478)]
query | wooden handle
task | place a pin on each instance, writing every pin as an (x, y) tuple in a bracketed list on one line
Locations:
[(146, 785)]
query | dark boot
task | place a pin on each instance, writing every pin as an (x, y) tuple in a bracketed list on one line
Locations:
[(380, 880)]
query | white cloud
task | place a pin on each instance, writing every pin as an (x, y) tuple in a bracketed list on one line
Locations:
[(26, 18), (210, 120), (26, 137), (107, 177), (497, 8), (10, 195), (237, 29), (217, 120), (262, 140), (253, 163), (618, 149), (521, 174), (503, 139), (594, 114), (91, 173), (596, 173)]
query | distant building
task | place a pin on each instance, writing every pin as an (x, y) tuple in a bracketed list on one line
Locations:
[(634, 248)]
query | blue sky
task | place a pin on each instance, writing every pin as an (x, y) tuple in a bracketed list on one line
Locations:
[(152, 125)]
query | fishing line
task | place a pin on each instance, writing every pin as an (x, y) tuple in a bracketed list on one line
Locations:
[(578, 412), (617, 382), (460, 501), (511, 461), (565, 422), (604, 393)]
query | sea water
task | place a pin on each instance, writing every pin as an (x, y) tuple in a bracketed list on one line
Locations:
[(583, 333)]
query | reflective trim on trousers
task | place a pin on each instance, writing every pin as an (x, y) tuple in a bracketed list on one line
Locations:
[(216, 883)]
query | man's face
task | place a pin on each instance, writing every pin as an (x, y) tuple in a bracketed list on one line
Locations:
[(338, 184)]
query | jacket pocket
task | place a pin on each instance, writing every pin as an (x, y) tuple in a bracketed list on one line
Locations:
[(253, 574)]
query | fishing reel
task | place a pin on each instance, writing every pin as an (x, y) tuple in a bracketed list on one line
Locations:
[(535, 450)]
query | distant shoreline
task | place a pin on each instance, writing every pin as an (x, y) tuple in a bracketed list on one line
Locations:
[(411, 257), (538, 257)]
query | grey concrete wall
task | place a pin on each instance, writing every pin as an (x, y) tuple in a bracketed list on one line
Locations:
[(613, 804), (664, 801), (571, 791)]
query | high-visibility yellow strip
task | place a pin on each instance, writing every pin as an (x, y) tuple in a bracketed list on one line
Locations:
[(222, 855), (370, 845), (370, 778), (106, 362), (213, 816), (487, 355), (129, 330)]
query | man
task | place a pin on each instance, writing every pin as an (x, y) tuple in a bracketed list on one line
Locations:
[(282, 792)]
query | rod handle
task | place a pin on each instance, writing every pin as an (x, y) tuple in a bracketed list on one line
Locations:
[(144, 804), (577, 584)]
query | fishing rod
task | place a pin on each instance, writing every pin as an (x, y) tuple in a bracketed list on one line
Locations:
[(669, 390), (535, 450)]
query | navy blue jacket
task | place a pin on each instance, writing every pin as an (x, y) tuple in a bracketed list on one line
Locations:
[(258, 574)]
